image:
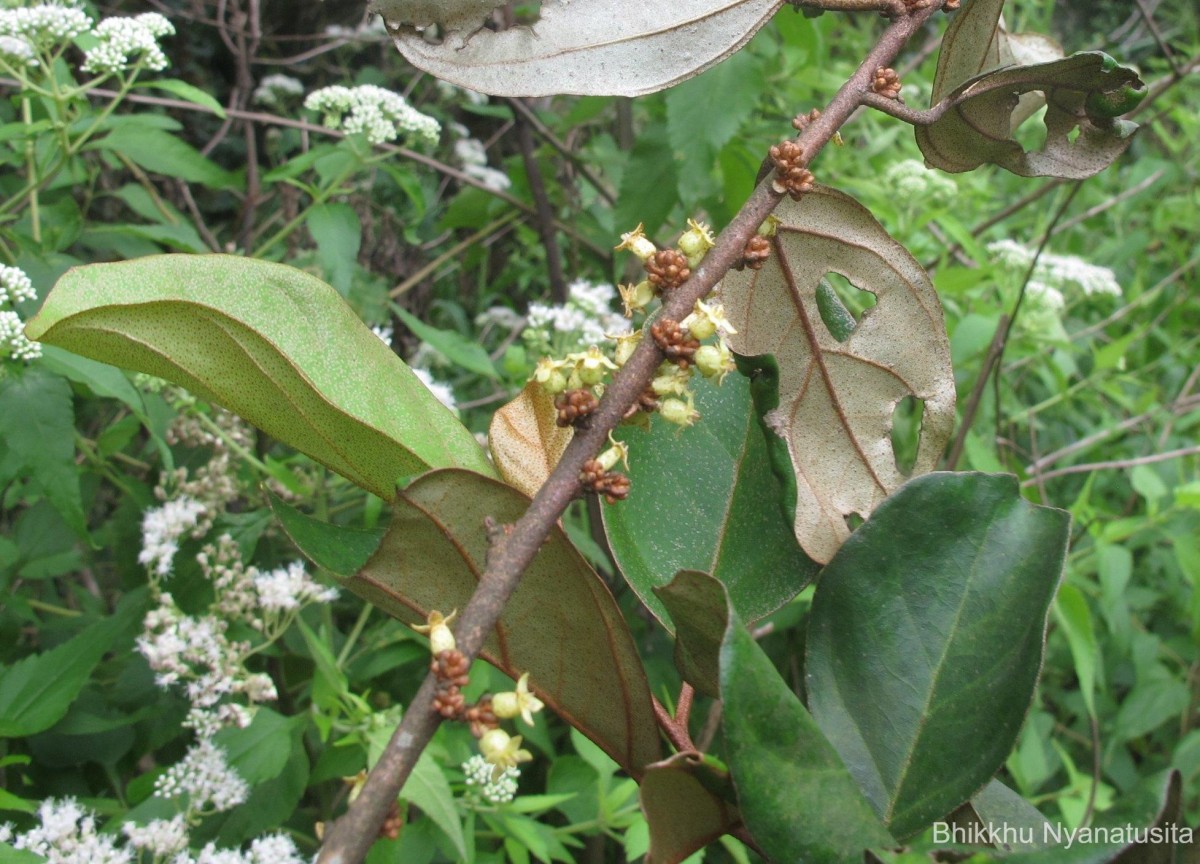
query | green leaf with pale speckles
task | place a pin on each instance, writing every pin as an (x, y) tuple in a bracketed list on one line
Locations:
[(271, 343)]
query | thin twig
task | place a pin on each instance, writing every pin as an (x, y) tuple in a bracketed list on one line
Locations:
[(567, 153), (1004, 327), (349, 838), (1115, 464), (1167, 53), (541, 202)]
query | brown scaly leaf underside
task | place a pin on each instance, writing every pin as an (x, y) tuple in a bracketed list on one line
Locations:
[(836, 398), (525, 441)]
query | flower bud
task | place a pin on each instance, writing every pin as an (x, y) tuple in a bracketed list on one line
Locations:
[(679, 412), (618, 452), (671, 380), (636, 242), (715, 361), (626, 344), (636, 297), (441, 638), (696, 242), (592, 366), (769, 227), (550, 375)]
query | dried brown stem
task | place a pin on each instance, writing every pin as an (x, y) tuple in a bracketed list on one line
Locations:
[(351, 836), (541, 203)]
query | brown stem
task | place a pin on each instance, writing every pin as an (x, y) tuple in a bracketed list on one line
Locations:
[(349, 838), (541, 203), (566, 152)]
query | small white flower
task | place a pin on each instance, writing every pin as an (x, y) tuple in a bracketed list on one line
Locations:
[(275, 849), (379, 114), (67, 835), (15, 285), (44, 23), (162, 529), (204, 775), (277, 88), (479, 774), (126, 42), (13, 341), (17, 51), (443, 392), (288, 588), (160, 837)]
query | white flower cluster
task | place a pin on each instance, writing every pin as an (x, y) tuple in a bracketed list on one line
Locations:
[(44, 23), (471, 154), (379, 114), (582, 321), (67, 835), (912, 181), (206, 778), (15, 286), (160, 837), (287, 589), (443, 392), (479, 773), (271, 849), (127, 42), (1054, 273), (277, 88), (17, 52), (162, 529)]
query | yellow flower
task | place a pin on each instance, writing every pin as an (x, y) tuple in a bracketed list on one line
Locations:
[(637, 243), (438, 627), (502, 751), (636, 297), (519, 702)]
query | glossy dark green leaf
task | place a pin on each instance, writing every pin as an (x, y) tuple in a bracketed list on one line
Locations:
[(1005, 815), (925, 639), (684, 815), (705, 499), (696, 602), (271, 343), (981, 68), (37, 427), (795, 795), (562, 626)]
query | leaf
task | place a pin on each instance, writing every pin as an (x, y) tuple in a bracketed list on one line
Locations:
[(697, 605), (601, 48), (37, 691), (836, 399), (456, 348), (271, 343), (338, 234), (37, 426), (683, 814), (795, 795), (525, 441), (428, 788), (705, 499), (1088, 90), (926, 636), (650, 169), (187, 92), (561, 626), (161, 152), (1018, 825), (1073, 615)]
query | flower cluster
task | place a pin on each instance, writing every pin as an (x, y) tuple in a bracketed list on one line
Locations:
[(126, 42), (15, 51), (582, 321), (910, 180), (15, 287), (479, 773), (1054, 273), (379, 114), (44, 24), (275, 89), (67, 835), (205, 777), (473, 157)]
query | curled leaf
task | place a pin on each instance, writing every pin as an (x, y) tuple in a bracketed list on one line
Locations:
[(597, 47), (994, 84), (271, 343), (837, 398), (525, 441)]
